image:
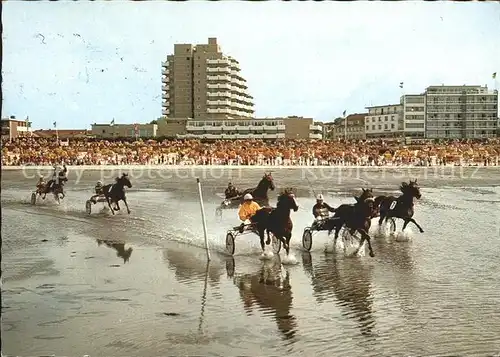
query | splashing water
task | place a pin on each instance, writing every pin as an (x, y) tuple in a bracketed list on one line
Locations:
[(289, 259)]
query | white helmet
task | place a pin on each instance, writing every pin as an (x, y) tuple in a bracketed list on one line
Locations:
[(99, 183), (248, 197), (319, 197), (41, 176)]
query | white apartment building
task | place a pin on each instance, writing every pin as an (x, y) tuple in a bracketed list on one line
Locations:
[(385, 121), (461, 112), (413, 115), (200, 82)]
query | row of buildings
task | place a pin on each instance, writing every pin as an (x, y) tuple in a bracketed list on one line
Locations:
[(440, 112), (204, 95)]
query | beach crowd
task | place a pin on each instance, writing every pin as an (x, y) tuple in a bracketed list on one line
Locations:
[(287, 152)]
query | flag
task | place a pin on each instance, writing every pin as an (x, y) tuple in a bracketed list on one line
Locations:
[(343, 114), (401, 85), (494, 75), (28, 121), (55, 124), (113, 121)]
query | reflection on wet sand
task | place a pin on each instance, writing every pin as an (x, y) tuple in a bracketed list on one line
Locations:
[(188, 266), (270, 292), (349, 281), (121, 252)]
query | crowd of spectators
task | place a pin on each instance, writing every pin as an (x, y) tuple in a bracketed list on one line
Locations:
[(287, 152)]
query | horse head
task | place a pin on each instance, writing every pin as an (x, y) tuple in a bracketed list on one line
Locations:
[(365, 206), (367, 193), (269, 180), (411, 189), (124, 180), (287, 200)]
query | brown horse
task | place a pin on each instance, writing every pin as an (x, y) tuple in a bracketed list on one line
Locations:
[(269, 291), (277, 220), (400, 207), (259, 194)]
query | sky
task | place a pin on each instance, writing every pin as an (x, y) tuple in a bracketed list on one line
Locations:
[(78, 63)]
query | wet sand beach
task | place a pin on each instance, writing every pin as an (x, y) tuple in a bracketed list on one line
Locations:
[(140, 285)]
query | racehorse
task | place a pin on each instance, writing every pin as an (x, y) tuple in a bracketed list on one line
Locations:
[(277, 220), (356, 218), (116, 192), (56, 188), (400, 207), (259, 193)]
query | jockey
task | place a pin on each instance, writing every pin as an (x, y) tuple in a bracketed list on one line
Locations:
[(321, 209), (247, 210), (98, 191), (231, 191), (40, 185)]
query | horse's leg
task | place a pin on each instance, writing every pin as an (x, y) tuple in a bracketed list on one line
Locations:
[(268, 238), (109, 204), (126, 204), (117, 206), (338, 227), (418, 226), (261, 236), (381, 219), (287, 238), (365, 236)]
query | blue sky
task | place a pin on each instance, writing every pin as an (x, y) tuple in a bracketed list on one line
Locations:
[(83, 62)]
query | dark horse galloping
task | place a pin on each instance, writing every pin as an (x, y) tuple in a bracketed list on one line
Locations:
[(116, 192), (356, 217), (259, 194), (400, 207), (277, 220)]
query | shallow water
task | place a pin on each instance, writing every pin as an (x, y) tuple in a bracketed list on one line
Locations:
[(139, 284)]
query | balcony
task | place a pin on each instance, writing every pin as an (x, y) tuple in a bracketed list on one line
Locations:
[(165, 80), (219, 102), (315, 136), (165, 111), (165, 71), (165, 87), (164, 63), (218, 86), (218, 61), (315, 127), (219, 69), (165, 95), (219, 78), (224, 94)]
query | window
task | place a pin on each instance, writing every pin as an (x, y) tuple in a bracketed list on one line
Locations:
[(367, 128), (373, 127), (386, 118), (392, 126), (188, 58), (392, 117), (385, 127), (379, 127)]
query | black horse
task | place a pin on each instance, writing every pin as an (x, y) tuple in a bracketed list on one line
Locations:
[(119, 247), (400, 207), (116, 192), (356, 218), (56, 185), (258, 193), (277, 220), (335, 222)]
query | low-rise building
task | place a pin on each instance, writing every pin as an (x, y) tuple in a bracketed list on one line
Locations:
[(252, 128), (384, 121), (62, 134), (351, 127), (124, 130), (13, 128)]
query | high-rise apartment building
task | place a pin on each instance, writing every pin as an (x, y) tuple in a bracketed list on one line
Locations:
[(461, 112), (200, 82), (413, 116)]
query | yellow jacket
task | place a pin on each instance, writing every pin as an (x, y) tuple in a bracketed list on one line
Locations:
[(248, 209)]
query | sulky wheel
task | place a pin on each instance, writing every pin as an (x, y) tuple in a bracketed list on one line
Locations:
[(307, 239), (88, 207), (230, 243)]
